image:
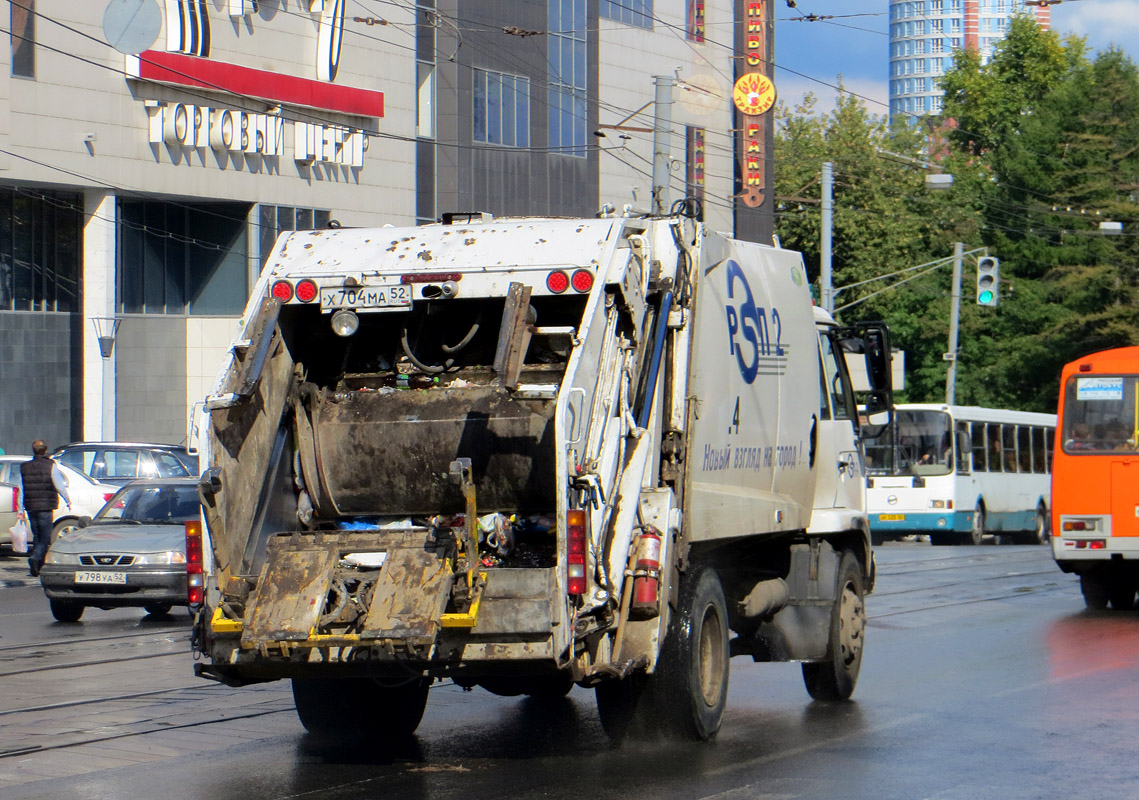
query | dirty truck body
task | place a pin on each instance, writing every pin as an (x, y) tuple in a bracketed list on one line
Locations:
[(528, 453)]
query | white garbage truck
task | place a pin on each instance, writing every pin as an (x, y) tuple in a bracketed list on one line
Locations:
[(530, 453)]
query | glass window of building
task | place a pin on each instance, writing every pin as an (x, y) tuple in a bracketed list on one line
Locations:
[(22, 29), (272, 221), (567, 77), (501, 109), (183, 259), (425, 100), (630, 12), (695, 27), (40, 235)]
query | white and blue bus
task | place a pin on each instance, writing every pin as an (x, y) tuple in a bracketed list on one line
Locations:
[(957, 473)]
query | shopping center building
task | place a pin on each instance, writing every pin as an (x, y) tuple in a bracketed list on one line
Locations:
[(151, 152)]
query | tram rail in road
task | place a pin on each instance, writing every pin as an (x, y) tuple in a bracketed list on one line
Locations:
[(117, 696)]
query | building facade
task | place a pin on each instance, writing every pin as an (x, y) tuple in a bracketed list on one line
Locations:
[(149, 160), (924, 34)]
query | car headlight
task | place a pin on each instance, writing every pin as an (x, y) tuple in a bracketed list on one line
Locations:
[(169, 557), (60, 558)]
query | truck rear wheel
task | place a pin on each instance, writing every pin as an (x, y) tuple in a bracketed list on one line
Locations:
[(621, 707), (690, 688), (351, 707), (835, 678)]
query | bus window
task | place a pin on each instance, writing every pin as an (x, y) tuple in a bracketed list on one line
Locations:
[(963, 448), (979, 450), (993, 434), (1039, 457), (1024, 447), (1101, 412), (1050, 441), (925, 444), (1008, 446)]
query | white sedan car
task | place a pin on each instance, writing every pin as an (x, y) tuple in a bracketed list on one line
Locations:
[(87, 495)]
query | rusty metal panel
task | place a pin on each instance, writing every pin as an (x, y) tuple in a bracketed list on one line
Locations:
[(241, 442), (514, 335), (518, 602), (410, 595), (290, 596), (390, 452)]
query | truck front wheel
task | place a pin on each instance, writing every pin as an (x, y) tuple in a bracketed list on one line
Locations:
[(351, 707), (834, 679)]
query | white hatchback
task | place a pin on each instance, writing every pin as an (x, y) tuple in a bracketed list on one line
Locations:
[(87, 495)]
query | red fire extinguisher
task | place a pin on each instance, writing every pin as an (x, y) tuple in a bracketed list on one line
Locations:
[(646, 572)]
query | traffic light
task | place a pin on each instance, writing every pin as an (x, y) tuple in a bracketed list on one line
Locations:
[(988, 281)]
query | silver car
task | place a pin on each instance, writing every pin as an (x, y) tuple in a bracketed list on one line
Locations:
[(87, 494), (133, 553)]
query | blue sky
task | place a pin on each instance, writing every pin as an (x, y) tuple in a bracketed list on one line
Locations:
[(856, 47)]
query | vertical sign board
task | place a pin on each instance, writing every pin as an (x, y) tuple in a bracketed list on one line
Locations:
[(754, 96)]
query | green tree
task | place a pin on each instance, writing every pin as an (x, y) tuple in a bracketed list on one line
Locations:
[(1057, 138), (884, 222)]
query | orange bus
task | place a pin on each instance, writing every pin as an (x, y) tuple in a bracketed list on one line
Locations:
[(1095, 476)]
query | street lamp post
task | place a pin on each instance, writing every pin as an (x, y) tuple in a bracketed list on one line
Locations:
[(954, 317)]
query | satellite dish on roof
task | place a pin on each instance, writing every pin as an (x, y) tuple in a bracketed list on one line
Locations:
[(132, 26)]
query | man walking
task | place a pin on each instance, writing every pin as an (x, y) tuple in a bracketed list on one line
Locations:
[(44, 484)]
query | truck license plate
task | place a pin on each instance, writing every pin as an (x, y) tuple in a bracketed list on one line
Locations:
[(100, 577), (891, 517), (397, 297)]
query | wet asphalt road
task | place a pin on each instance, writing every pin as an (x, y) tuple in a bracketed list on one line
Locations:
[(984, 677)]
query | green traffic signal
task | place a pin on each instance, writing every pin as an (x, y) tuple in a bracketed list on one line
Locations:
[(988, 280)]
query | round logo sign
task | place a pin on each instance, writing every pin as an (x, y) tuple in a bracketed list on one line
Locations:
[(754, 94)]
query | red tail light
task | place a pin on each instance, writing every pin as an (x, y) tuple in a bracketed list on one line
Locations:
[(306, 291), (107, 496), (582, 280), (195, 578), (575, 551), (15, 498), (557, 281), (283, 291)]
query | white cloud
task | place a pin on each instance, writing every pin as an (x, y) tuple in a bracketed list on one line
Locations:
[(874, 94), (1103, 22)]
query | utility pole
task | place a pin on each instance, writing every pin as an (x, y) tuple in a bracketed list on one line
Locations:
[(662, 129), (826, 290), (954, 316)]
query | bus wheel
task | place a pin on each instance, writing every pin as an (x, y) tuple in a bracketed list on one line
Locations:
[(1094, 589), (1043, 533), (834, 679), (1121, 593), (977, 532)]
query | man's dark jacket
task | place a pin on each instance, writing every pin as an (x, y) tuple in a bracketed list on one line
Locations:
[(39, 490)]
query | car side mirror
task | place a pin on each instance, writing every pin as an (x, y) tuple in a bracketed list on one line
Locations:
[(83, 522)]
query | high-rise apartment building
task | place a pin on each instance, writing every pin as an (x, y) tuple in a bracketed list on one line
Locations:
[(924, 34)]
